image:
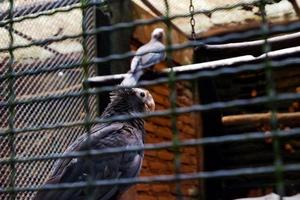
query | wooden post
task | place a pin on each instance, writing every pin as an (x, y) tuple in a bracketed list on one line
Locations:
[(120, 39)]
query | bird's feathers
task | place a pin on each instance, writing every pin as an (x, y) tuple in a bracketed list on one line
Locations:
[(110, 166), (104, 166), (146, 56)]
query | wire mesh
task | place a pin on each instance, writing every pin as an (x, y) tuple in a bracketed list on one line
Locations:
[(43, 85), (45, 103)]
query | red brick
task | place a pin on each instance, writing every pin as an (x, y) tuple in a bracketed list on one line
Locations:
[(150, 127), (171, 167), (188, 94), (143, 187), (160, 188), (190, 150), (188, 159), (179, 124), (146, 172), (162, 90), (184, 85), (150, 138), (165, 197), (158, 165), (189, 130), (161, 121), (188, 168), (146, 197), (160, 107), (180, 87), (159, 99), (165, 155), (129, 194), (184, 101), (164, 132), (150, 153), (186, 136), (145, 163), (185, 118)]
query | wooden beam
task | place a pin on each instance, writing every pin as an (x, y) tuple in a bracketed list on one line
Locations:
[(188, 69), (116, 79), (272, 196), (261, 118), (254, 48), (120, 39)]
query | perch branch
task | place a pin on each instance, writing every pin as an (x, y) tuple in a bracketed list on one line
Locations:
[(261, 118)]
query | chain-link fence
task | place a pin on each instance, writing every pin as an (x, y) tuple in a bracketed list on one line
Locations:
[(223, 128)]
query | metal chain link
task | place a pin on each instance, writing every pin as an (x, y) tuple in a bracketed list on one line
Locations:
[(192, 20)]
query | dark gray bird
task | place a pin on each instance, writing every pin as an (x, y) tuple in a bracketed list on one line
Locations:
[(106, 135), (147, 56)]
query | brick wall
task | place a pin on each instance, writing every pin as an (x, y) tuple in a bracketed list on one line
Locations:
[(161, 162)]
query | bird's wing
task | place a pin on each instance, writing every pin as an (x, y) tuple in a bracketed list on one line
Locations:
[(109, 166), (156, 54), (100, 129), (147, 56)]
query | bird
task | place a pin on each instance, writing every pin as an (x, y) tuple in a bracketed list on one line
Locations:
[(123, 133), (146, 57)]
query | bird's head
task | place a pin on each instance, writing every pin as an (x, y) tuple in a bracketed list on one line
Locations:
[(132, 100), (145, 98), (158, 34)]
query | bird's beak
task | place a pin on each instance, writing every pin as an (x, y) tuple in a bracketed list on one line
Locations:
[(150, 105)]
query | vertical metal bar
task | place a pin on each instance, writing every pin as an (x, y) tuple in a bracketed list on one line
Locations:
[(173, 97), (87, 124), (11, 107), (271, 92)]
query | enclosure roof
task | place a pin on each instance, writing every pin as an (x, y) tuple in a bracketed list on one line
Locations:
[(241, 14), (28, 31)]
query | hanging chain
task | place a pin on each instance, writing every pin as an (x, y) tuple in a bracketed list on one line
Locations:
[(192, 20)]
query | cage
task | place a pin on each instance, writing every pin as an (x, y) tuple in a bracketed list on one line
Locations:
[(227, 96)]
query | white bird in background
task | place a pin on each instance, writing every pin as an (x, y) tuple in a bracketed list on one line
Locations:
[(146, 56)]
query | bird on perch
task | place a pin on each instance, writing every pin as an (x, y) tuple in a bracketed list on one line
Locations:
[(125, 133), (146, 57)]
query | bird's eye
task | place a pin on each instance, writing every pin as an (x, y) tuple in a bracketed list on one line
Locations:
[(142, 94)]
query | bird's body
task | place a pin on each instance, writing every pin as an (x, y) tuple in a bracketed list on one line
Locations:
[(146, 56), (103, 136)]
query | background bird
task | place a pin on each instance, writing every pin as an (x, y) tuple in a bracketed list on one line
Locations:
[(106, 135), (146, 56)]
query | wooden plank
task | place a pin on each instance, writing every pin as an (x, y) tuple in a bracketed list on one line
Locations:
[(261, 118), (272, 196), (254, 48), (120, 39)]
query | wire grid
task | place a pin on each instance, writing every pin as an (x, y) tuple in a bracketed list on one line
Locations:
[(42, 85), (40, 120)]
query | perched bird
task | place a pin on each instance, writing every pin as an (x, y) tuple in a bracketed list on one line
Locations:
[(146, 56), (106, 135)]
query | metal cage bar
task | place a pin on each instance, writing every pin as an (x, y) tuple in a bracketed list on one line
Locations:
[(84, 96)]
